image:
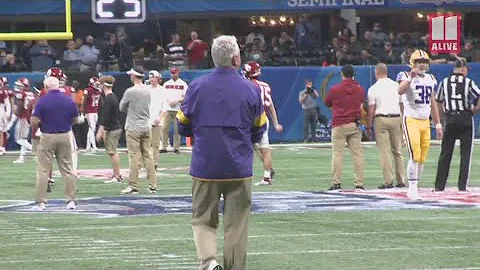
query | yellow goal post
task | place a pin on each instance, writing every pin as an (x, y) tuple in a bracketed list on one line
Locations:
[(45, 35)]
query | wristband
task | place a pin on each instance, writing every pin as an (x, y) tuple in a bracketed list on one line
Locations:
[(437, 126)]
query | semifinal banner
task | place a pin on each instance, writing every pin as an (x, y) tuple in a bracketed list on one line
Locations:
[(286, 83), (29, 7)]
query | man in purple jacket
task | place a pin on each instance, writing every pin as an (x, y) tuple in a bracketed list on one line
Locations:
[(224, 113)]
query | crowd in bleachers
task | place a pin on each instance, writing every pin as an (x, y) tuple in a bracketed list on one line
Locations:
[(302, 47)]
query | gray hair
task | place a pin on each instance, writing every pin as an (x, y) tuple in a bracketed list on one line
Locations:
[(51, 83), (224, 48)]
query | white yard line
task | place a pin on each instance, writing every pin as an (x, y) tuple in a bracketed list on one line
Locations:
[(252, 223), (317, 251), (66, 241)]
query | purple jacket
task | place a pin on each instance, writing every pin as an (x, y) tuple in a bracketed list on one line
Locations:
[(223, 111)]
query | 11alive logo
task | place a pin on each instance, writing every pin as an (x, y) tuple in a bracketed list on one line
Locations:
[(445, 31)]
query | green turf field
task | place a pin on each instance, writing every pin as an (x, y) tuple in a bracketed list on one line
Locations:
[(319, 231)]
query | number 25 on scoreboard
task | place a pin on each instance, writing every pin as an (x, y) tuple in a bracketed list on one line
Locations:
[(119, 11)]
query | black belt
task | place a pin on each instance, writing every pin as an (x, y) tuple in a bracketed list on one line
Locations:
[(387, 115), (458, 113)]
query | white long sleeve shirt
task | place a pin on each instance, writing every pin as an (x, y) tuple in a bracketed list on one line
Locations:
[(158, 102)]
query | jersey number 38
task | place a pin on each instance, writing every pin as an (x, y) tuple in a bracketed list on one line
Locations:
[(423, 94)]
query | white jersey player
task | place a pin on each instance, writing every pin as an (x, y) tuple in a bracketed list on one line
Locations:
[(417, 88)]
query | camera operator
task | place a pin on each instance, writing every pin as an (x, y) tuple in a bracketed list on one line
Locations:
[(307, 99)]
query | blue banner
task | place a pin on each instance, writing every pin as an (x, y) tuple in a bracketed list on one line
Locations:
[(286, 83), (29, 7)]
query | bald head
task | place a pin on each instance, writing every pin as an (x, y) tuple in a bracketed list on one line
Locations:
[(381, 71)]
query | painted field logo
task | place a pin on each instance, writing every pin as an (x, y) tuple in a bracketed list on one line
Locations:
[(445, 33)]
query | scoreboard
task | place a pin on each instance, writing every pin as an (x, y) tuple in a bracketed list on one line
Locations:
[(119, 11)]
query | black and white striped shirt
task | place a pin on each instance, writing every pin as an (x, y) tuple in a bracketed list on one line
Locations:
[(457, 92)]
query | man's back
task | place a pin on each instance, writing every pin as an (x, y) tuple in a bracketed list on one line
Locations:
[(136, 103), (56, 112), (223, 108), (345, 99)]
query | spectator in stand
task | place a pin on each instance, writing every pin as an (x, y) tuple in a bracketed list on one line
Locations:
[(111, 54), (355, 45), (389, 55), (468, 52), (175, 53), (442, 58), (301, 33), (336, 44), (378, 36), (255, 34), (125, 62), (345, 36), (43, 56), (9, 65), (72, 57), (275, 46), (197, 52), (286, 42), (255, 55), (368, 58), (78, 43), (405, 56), (367, 40), (392, 38), (24, 53), (89, 53)]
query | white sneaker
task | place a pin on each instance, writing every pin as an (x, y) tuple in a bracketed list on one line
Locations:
[(113, 180), (412, 194), (212, 265), (129, 190), (41, 206), (264, 182), (71, 205), (19, 161), (95, 149)]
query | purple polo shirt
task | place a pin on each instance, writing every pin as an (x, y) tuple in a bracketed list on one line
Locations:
[(56, 112)]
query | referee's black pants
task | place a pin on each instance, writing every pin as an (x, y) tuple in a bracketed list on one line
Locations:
[(458, 126)]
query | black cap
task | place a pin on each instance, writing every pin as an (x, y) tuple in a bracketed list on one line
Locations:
[(461, 62), (348, 71), (137, 71)]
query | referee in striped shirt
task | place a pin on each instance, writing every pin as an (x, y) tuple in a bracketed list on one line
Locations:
[(459, 96)]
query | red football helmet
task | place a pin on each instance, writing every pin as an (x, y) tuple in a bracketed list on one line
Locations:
[(252, 69), (56, 72), (3, 82), (22, 84), (95, 83)]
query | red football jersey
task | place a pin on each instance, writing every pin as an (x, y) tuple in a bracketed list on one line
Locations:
[(27, 99), (265, 92), (68, 90), (92, 100)]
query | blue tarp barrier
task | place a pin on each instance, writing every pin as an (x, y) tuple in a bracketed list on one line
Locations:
[(286, 83)]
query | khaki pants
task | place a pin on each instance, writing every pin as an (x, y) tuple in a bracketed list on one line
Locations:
[(169, 117), (139, 147), (156, 137), (350, 134), (388, 134), (236, 210), (60, 146)]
